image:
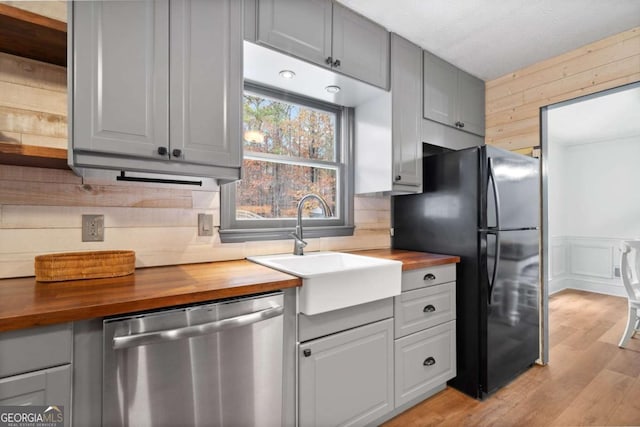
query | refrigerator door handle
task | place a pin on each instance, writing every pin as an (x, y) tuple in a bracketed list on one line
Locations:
[(496, 194), (496, 264)]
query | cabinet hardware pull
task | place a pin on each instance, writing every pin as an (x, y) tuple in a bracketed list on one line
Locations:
[(162, 151), (176, 152), (336, 63), (429, 309), (398, 177), (329, 61), (307, 352), (429, 277), (429, 361)]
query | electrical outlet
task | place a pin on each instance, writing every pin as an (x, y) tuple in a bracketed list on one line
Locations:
[(93, 228), (205, 225), (616, 272)]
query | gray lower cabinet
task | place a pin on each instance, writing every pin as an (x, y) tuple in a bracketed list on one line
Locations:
[(325, 33), (35, 367), (424, 361), (157, 86), (425, 332), (44, 387), (346, 379), (452, 96)]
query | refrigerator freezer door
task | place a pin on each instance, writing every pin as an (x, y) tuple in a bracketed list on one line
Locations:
[(517, 180), (512, 321)]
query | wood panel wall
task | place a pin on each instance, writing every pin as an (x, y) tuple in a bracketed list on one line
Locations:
[(41, 210), (513, 101)]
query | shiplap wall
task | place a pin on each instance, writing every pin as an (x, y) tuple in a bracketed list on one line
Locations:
[(40, 212), (50, 8), (40, 209), (513, 101)]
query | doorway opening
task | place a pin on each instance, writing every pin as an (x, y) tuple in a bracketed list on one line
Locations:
[(590, 161)]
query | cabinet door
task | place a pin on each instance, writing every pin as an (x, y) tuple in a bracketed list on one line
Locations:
[(206, 82), (346, 379), (361, 46), (406, 85), (121, 77), (299, 27), (440, 89), (46, 387), (424, 361), (471, 103)]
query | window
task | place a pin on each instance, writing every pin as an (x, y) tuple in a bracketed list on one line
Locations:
[(293, 146)]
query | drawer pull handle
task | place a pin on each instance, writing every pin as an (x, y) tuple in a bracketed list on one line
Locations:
[(429, 361), (429, 309), (429, 277), (306, 352)]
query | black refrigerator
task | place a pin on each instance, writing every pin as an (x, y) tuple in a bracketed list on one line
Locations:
[(482, 204)]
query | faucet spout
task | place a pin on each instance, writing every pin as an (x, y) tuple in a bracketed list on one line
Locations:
[(299, 243)]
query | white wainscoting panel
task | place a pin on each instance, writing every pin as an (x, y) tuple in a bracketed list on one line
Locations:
[(585, 263), (592, 260)]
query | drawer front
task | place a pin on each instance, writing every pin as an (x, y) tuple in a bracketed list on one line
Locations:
[(424, 361), (30, 349), (423, 308), (415, 279)]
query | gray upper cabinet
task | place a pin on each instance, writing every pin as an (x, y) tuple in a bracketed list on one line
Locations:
[(326, 34), (299, 27), (205, 89), (346, 379), (121, 76), (130, 61), (360, 47), (452, 97), (406, 87)]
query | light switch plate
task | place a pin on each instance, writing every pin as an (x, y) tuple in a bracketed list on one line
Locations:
[(205, 225), (93, 228)]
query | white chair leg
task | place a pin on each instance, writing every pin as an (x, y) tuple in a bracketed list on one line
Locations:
[(632, 322)]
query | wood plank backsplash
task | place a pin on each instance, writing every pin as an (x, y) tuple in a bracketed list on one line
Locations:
[(513, 101), (41, 209)]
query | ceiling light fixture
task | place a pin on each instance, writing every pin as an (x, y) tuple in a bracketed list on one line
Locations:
[(287, 74), (332, 89)]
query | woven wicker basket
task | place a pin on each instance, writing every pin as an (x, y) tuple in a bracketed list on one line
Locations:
[(84, 265)]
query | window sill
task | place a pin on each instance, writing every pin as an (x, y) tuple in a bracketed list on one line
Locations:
[(258, 234)]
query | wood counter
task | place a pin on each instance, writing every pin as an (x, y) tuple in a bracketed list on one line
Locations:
[(411, 260), (25, 303)]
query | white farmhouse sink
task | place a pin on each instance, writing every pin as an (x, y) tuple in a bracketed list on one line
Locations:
[(333, 280)]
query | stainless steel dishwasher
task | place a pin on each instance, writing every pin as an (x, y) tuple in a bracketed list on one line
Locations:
[(215, 364)]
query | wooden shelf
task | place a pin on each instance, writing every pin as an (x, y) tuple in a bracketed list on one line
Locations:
[(29, 155), (34, 36)]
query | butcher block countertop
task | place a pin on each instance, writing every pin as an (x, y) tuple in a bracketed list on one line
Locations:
[(25, 303)]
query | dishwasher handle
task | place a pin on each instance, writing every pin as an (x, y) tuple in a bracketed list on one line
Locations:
[(145, 338)]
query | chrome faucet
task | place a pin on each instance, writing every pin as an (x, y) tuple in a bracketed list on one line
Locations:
[(298, 240)]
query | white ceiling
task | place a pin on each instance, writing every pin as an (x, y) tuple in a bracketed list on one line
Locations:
[(491, 38), (604, 118)]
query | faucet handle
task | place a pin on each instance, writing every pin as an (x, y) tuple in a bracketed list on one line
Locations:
[(298, 239)]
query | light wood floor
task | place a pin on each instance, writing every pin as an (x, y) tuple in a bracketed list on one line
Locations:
[(588, 381)]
